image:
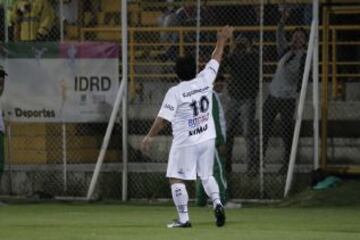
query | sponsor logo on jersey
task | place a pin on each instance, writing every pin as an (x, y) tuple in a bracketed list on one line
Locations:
[(211, 68), (198, 130), (170, 107), (198, 121), (192, 92)]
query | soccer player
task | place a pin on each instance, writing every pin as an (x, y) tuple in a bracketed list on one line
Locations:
[(188, 106)]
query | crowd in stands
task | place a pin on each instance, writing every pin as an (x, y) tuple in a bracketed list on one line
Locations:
[(27, 20)]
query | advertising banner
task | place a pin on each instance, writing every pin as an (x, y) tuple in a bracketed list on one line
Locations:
[(59, 82)]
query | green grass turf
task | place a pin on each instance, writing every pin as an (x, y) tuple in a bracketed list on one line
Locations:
[(110, 222)]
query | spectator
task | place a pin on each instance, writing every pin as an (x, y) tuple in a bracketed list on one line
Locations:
[(166, 20), (219, 161), (284, 86), (69, 18), (33, 20), (70, 11), (242, 64), (88, 10), (183, 17), (5, 12), (5, 6)]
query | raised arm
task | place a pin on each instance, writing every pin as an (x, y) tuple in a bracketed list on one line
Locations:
[(223, 35), (281, 42)]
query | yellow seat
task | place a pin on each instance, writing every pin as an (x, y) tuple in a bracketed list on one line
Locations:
[(71, 32), (150, 18), (111, 5)]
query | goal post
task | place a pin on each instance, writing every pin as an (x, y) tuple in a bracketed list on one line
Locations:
[(121, 95), (106, 140), (315, 77), (298, 117)]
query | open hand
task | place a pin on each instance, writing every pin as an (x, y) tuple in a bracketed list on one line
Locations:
[(145, 144)]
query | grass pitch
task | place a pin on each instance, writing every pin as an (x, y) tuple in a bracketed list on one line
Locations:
[(59, 221)]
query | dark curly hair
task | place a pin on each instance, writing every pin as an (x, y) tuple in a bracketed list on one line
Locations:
[(185, 68)]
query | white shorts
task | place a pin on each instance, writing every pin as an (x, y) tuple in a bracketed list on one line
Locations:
[(185, 162)]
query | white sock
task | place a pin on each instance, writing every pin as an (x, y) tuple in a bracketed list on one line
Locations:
[(180, 198), (212, 190)]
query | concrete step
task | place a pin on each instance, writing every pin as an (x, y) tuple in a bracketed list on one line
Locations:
[(20, 143), (50, 157)]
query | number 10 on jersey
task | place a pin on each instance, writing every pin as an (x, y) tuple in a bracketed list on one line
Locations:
[(202, 105)]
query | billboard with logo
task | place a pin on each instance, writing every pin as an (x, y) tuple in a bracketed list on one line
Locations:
[(60, 82)]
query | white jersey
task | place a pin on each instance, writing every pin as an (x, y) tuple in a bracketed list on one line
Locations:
[(188, 106)]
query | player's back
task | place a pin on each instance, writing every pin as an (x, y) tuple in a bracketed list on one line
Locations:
[(188, 107)]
